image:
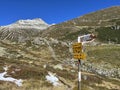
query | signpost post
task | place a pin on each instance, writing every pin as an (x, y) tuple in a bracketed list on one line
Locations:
[(79, 75), (78, 53)]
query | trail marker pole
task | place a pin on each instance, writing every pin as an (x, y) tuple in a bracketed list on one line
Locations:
[(79, 75), (78, 52), (79, 66)]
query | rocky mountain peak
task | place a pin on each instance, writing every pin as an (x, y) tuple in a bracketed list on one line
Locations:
[(29, 23), (22, 28)]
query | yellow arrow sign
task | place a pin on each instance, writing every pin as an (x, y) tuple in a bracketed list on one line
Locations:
[(77, 47), (81, 56)]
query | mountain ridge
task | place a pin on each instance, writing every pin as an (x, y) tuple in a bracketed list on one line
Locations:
[(70, 30), (63, 31), (24, 29), (36, 23)]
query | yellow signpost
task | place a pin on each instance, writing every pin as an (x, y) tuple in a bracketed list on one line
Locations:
[(81, 56), (77, 47), (77, 51)]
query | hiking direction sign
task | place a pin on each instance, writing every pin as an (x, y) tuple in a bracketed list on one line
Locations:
[(81, 56), (78, 51)]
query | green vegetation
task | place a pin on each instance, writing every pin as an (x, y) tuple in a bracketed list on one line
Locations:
[(72, 36), (109, 54), (107, 34)]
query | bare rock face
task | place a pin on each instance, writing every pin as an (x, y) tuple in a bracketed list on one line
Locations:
[(22, 28), (34, 24)]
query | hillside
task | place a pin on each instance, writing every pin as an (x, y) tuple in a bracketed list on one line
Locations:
[(33, 61), (33, 58), (69, 30)]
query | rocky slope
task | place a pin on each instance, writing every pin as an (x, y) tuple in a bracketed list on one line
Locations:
[(22, 29), (33, 60)]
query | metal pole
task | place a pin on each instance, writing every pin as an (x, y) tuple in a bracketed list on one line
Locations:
[(79, 75)]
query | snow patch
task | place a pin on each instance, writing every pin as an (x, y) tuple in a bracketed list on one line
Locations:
[(52, 79), (10, 79)]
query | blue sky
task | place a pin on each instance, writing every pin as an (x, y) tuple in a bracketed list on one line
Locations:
[(51, 11)]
